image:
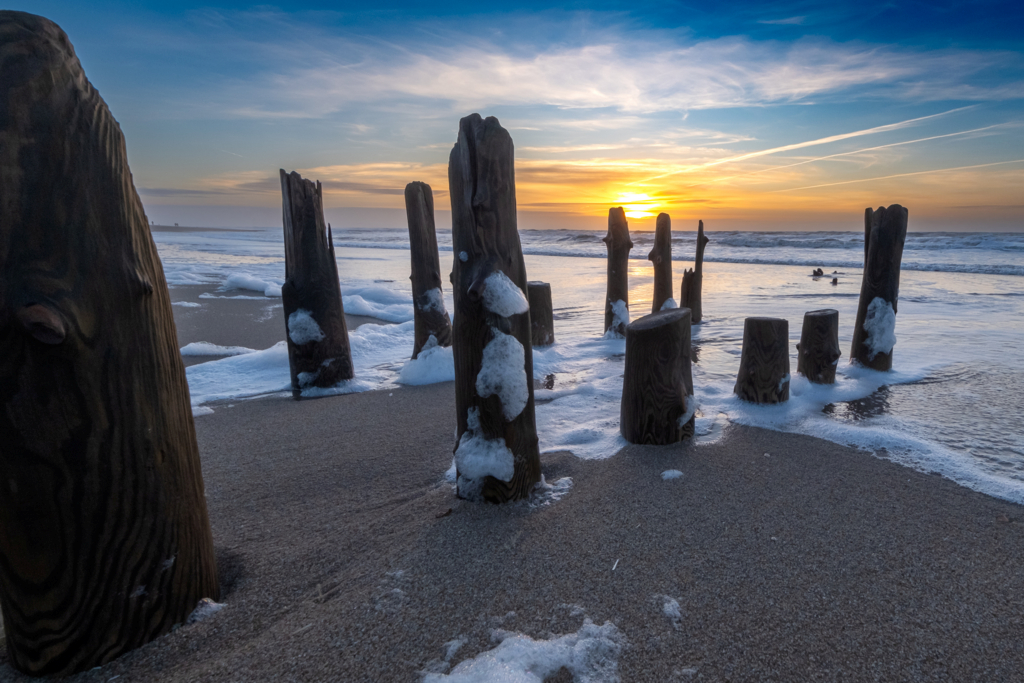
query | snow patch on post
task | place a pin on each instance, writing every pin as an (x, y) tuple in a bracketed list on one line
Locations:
[(503, 373), (880, 325), (478, 457), (502, 296), (302, 329)]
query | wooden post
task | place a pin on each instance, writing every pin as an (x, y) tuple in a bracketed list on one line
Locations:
[(693, 279), (764, 364), (818, 351), (318, 350), (105, 542), (542, 321), (657, 385), (429, 314), (496, 451), (616, 303), (874, 333), (661, 257)]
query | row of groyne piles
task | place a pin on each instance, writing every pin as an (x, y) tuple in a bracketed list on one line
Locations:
[(105, 540)]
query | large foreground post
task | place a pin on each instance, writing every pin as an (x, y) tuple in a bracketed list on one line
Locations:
[(318, 349), (616, 302), (764, 364), (661, 257), (693, 279), (496, 451), (874, 333), (431, 319), (818, 351), (657, 384), (105, 542)]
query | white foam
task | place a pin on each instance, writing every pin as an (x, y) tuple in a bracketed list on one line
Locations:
[(302, 328), (620, 318), (669, 304), (204, 610), (433, 364), (670, 608), (379, 302), (255, 284), (504, 297), (545, 493), (478, 457), (187, 304), (671, 474), (590, 655), (503, 374), (208, 349), (880, 325), (201, 410), (433, 300)]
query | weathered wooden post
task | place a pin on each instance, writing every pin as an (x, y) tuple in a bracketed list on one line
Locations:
[(874, 333), (542, 316), (818, 351), (657, 385), (431, 318), (496, 452), (616, 303), (764, 364), (105, 542), (318, 349), (661, 257), (693, 278)]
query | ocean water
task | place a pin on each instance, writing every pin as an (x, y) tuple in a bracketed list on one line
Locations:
[(950, 405)]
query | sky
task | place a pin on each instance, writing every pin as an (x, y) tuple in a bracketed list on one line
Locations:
[(791, 115)]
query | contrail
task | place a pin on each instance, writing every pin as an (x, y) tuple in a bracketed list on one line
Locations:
[(901, 175), (810, 143)]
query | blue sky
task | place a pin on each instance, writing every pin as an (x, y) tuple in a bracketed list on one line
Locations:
[(791, 115)]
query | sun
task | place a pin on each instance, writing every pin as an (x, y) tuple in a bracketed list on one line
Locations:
[(637, 205)]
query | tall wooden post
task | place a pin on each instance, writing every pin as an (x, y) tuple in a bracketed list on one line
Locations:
[(496, 452), (874, 333), (105, 542), (318, 349), (661, 257), (657, 384), (693, 279), (542, 316), (764, 364), (431, 318), (818, 351), (616, 302)]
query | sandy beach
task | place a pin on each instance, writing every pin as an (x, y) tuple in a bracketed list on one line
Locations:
[(345, 556)]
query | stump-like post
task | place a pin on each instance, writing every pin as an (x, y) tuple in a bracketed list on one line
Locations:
[(616, 302), (693, 278), (661, 258), (542, 317), (874, 333), (764, 365), (657, 385), (496, 452), (818, 351), (105, 542), (429, 315), (318, 349)]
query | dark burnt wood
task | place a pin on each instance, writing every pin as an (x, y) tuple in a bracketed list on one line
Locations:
[(105, 542), (619, 244), (429, 314), (542, 318), (661, 258), (311, 285), (485, 238), (764, 366), (818, 350), (885, 231), (657, 383), (693, 279)]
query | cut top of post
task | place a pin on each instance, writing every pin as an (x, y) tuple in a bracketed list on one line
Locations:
[(618, 230), (655, 320)]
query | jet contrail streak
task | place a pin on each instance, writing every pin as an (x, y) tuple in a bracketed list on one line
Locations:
[(901, 175)]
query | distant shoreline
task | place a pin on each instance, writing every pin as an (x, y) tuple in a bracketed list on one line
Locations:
[(184, 228)]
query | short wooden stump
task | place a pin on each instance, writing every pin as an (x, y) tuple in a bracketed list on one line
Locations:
[(657, 386), (818, 351), (542, 319), (764, 365)]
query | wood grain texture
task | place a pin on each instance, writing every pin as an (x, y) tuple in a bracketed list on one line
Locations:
[(542, 317), (105, 542), (481, 177), (619, 244), (764, 365), (691, 288), (818, 350), (660, 257), (429, 315), (657, 383), (885, 231), (311, 285)]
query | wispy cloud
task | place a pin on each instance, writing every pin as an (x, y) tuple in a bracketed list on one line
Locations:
[(904, 175)]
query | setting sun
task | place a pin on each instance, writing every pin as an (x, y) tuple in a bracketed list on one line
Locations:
[(637, 205)]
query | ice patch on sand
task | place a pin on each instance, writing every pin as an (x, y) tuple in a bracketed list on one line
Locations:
[(208, 349), (502, 296), (590, 654), (302, 329), (880, 325), (503, 374), (433, 364)]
